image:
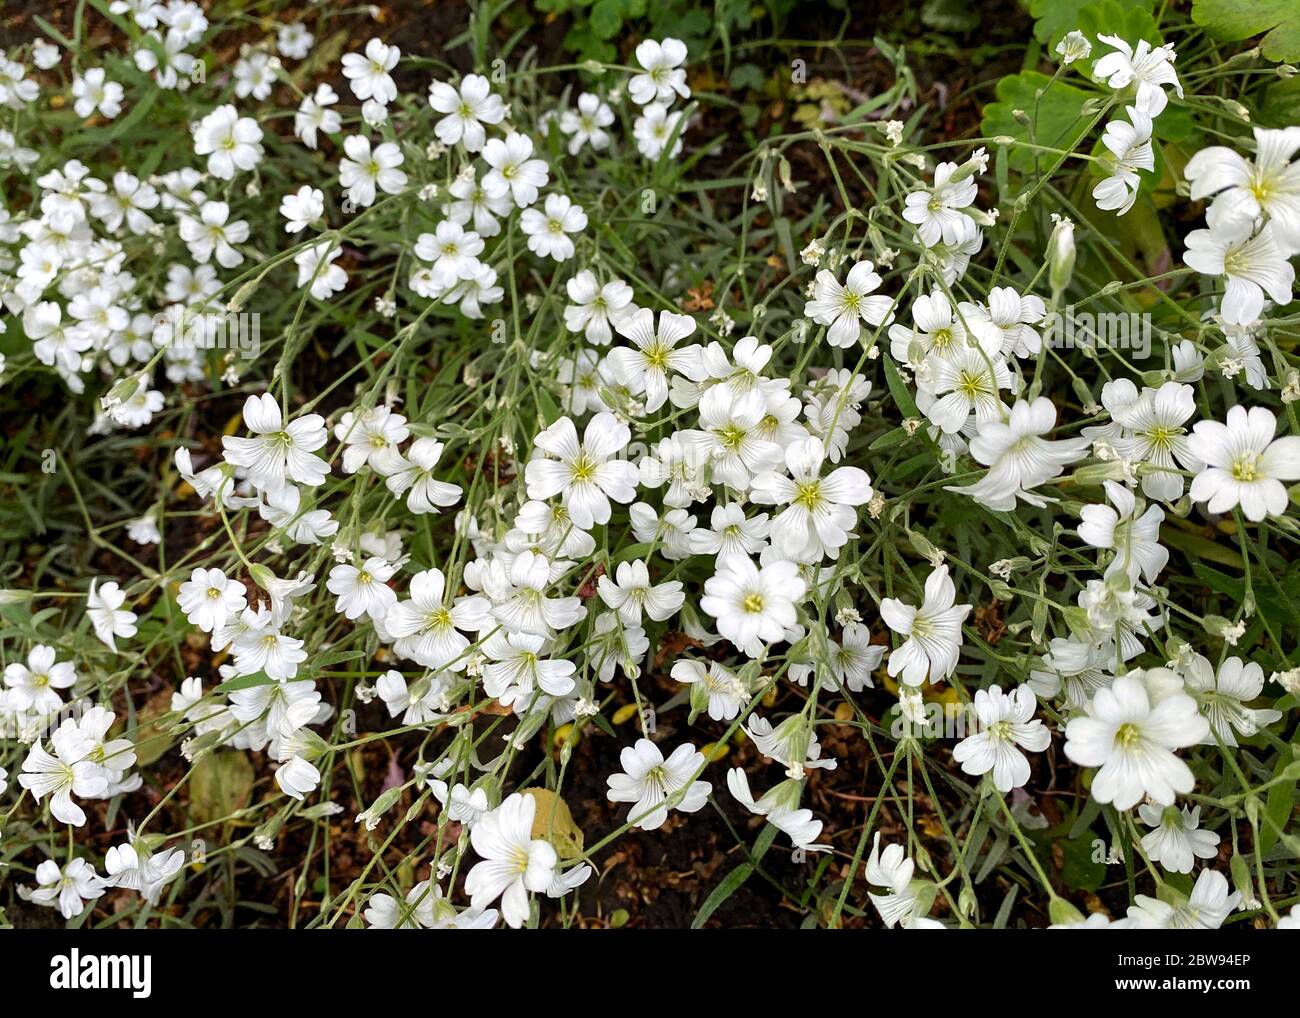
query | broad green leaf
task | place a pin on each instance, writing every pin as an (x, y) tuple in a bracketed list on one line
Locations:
[(1232, 21), (1055, 118), (220, 784)]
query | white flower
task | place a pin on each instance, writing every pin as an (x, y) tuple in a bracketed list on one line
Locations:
[(722, 690), (364, 590), (255, 75), (653, 129), (585, 474), (595, 308), (820, 511), (753, 606), (211, 234), (34, 687), (230, 142), (209, 597), (134, 866), (415, 477), (363, 170), (586, 125), (548, 230), (1224, 697), (465, 111), (452, 251), (317, 270), (845, 308), (293, 40), (1244, 464), (939, 212), (654, 785), (729, 532), (1133, 740), (370, 438), (664, 76), (426, 629), (1129, 145), (1176, 843), (1134, 535), (1018, 458), (903, 906), (519, 669), (68, 888), (519, 596), (1251, 264), (368, 74), (93, 92), (514, 171), (303, 208), (1073, 46), (107, 616), (513, 862), (731, 436), (1156, 437), (261, 647), (933, 631), (315, 115), (1206, 908), (645, 369), (1007, 725), (63, 773), (633, 593), (1147, 67), (1268, 185), (279, 452), (781, 808)]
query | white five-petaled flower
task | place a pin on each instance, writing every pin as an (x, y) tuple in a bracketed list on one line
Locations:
[(939, 212), (595, 308), (1018, 457), (904, 905), (631, 593), (1129, 148), (426, 629), (1244, 464), (1131, 533), (820, 511), (1267, 185), (645, 367), (1006, 727), (844, 308), (514, 171), (63, 773), (363, 590), (231, 142), (364, 171), (34, 686), (663, 77), (465, 111), (933, 631), (753, 606), (424, 494), (1132, 740), (513, 862), (368, 73), (109, 619), (655, 785), (1251, 264), (370, 438), (585, 474), (68, 888), (1145, 67), (209, 597), (278, 453), (548, 229)]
